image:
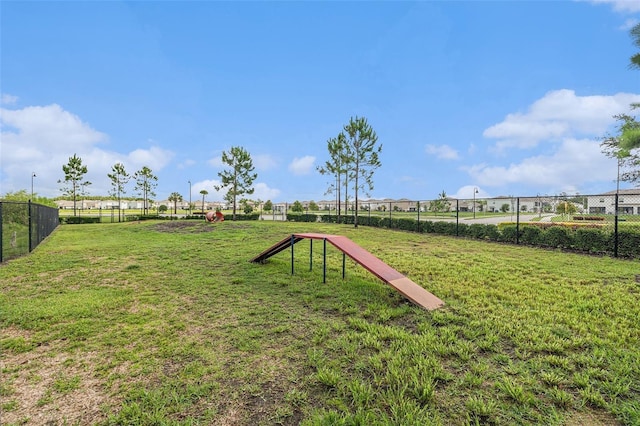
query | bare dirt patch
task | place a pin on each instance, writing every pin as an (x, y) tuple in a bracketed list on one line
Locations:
[(51, 388), (184, 227)]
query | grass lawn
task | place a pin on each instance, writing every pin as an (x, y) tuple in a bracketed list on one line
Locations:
[(167, 323)]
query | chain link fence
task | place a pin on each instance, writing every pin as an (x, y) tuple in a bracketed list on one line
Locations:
[(24, 225), (606, 223)]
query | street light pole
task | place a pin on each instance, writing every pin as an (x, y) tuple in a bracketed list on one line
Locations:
[(189, 198), (475, 191), (33, 174)]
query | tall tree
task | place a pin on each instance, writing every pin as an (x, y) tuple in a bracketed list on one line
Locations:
[(628, 158), (119, 179), (239, 177), (364, 150), (630, 137), (146, 183), (203, 192), (635, 35), (175, 197), (336, 166), (74, 179)]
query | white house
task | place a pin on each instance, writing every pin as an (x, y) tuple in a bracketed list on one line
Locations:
[(628, 202)]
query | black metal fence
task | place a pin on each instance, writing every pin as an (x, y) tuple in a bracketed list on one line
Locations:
[(24, 225), (606, 223)]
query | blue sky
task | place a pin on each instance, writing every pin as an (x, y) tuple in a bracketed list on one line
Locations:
[(510, 97)]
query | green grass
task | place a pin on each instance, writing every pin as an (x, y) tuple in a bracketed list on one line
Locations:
[(167, 323)]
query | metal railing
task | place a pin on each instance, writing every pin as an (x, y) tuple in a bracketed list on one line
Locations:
[(24, 225), (608, 223)]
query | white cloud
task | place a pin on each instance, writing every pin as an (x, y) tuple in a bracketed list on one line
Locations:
[(40, 126), (443, 152), (186, 164), (216, 162), (302, 166), (575, 163), (155, 158), (7, 99), (264, 162), (41, 139), (467, 192), (620, 5), (264, 193), (557, 115), (628, 24)]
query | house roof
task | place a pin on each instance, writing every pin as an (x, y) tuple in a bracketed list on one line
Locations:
[(632, 191)]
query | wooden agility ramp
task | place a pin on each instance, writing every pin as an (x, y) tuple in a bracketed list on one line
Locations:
[(377, 267)]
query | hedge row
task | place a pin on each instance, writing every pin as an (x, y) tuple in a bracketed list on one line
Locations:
[(586, 239), (79, 219)]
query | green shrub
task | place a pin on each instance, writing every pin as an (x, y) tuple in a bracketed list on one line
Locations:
[(297, 217), (477, 230), (407, 224), (251, 216), (74, 220), (508, 233), (426, 226), (369, 221), (591, 240), (445, 228), (556, 236), (390, 223), (327, 218), (628, 244), (530, 235), (491, 233)]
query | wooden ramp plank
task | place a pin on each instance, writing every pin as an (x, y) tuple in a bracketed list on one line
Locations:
[(377, 267), (275, 249)]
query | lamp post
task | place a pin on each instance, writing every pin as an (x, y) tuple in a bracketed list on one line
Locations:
[(189, 198), (33, 174), (475, 191)]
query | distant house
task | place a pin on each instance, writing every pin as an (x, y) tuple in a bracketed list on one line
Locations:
[(628, 202)]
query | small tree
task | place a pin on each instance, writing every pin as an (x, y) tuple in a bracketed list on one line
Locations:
[(119, 179), (175, 197), (566, 208), (337, 166), (239, 178), (268, 206), (313, 206), (504, 208), (247, 208), (297, 207), (442, 203), (203, 192), (74, 181), (362, 143), (614, 147), (146, 183)]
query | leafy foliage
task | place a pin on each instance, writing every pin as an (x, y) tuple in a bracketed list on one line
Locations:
[(238, 179), (74, 180), (362, 145), (146, 183)]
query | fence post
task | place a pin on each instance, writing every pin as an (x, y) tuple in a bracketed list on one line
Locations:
[(1, 259), (457, 217), (30, 227), (419, 229), (517, 220), (615, 228)]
